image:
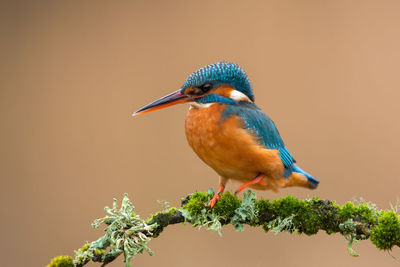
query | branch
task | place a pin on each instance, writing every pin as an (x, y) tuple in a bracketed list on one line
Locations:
[(128, 234)]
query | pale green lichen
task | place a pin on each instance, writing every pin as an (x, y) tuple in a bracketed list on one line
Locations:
[(246, 212), (348, 230), (278, 225), (126, 233)]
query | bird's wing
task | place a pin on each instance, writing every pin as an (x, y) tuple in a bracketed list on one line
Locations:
[(258, 123)]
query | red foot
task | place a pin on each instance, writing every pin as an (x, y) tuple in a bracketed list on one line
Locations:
[(216, 197), (214, 200), (257, 180)]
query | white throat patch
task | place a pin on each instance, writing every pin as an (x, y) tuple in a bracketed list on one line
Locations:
[(239, 96), (200, 105)]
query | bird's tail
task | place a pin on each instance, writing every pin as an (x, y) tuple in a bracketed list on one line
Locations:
[(312, 183)]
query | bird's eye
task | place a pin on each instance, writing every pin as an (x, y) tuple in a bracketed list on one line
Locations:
[(206, 87)]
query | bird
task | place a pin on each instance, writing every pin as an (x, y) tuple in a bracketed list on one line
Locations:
[(231, 134)]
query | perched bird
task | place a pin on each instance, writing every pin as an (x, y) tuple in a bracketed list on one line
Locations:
[(231, 134)]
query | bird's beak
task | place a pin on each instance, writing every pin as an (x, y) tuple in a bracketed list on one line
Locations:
[(166, 101)]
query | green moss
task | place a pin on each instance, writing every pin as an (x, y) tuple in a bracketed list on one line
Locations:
[(368, 214), (127, 234), (387, 233), (308, 216), (327, 213), (226, 206), (264, 211), (308, 220), (61, 261), (305, 220), (197, 203), (318, 215), (365, 213), (286, 206), (162, 219), (347, 211)]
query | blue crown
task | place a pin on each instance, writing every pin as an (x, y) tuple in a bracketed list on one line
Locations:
[(218, 73)]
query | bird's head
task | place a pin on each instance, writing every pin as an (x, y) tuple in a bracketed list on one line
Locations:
[(221, 82)]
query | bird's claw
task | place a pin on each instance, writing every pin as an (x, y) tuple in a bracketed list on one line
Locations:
[(214, 200)]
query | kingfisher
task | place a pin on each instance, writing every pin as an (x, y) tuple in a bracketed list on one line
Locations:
[(231, 134)]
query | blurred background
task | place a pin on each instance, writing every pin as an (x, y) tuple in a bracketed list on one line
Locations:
[(72, 73)]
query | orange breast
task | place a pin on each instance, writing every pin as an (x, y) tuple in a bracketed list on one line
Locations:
[(228, 148)]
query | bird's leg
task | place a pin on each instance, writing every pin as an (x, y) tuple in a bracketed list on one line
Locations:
[(256, 180), (217, 196)]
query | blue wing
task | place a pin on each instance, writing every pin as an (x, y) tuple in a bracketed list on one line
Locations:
[(257, 122)]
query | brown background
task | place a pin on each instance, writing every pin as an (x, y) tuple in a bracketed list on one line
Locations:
[(72, 72)]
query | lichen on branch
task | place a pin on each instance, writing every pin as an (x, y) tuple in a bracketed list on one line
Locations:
[(126, 233)]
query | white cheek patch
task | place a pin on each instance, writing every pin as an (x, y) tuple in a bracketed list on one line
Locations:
[(239, 96), (200, 105)]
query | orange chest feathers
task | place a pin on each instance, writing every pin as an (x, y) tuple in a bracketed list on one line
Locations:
[(203, 127), (224, 145)]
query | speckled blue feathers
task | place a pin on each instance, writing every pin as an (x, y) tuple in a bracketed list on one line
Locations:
[(218, 73)]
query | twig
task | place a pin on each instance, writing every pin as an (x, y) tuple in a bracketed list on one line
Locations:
[(128, 234)]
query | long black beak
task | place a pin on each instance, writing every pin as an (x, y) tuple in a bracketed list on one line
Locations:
[(166, 101)]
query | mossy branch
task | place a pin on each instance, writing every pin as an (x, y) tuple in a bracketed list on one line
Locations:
[(128, 234)]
